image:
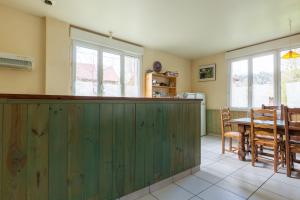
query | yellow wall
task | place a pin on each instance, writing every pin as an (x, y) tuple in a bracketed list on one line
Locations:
[(216, 91), (47, 41), (22, 34), (58, 67)]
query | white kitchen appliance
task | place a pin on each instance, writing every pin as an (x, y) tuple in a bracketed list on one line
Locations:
[(198, 95)]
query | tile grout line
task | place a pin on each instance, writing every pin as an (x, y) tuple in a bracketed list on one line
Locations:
[(271, 191), (260, 186), (242, 181), (247, 183), (221, 179), (154, 196), (215, 184), (211, 184), (232, 174)]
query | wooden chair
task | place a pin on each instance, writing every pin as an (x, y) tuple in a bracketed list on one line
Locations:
[(264, 133), (277, 108), (227, 131), (292, 133)]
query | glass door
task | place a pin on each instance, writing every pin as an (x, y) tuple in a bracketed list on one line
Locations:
[(131, 76), (290, 80), (263, 91)]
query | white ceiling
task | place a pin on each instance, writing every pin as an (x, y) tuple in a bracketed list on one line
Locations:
[(188, 28)]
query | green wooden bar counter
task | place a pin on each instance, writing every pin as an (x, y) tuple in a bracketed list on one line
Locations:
[(93, 148)]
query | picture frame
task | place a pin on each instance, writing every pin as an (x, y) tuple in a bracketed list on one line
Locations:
[(207, 72)]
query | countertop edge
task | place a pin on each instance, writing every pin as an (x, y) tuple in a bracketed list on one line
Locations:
[(70, 97)]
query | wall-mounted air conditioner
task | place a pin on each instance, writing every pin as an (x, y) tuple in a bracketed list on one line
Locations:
[(15, 61)]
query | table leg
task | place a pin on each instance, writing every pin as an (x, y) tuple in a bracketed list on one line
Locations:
[(241, 151)]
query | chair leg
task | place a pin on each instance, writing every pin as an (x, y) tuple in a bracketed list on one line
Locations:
[(275, 158), (253, 153), (292, 160), (288, 162), (261, 149), (223, 144), (248, 145), (282, 154)]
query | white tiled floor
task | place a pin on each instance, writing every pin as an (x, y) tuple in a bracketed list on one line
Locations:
[(224, 177)]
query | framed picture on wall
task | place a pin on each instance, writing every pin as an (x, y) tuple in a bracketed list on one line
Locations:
[(207, 72)]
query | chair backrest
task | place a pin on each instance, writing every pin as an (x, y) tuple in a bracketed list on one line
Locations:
[(278, 108), (292, 123), (225, 120), (264, 123)]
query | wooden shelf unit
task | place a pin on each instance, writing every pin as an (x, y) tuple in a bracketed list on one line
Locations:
[(155, 89)]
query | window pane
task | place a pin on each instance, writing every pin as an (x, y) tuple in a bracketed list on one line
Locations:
[(290, 80), (239, 84), (131, 76), (263, 81), (86, 72), (111, 74)]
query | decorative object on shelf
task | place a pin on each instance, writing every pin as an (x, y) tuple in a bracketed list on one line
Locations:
[(171, 74), (157, 66), (290, 54), (207, 72)]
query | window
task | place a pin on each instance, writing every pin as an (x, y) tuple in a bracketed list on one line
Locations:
[(253, 81), (290, 80), (104, 72), (259, 79)]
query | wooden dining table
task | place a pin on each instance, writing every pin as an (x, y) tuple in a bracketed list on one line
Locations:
[(244, 125)]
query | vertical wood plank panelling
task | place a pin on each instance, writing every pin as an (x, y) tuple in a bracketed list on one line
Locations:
[(58, 155), (191, 134), (90, 135), (140, 146), (165, 141), (213, 120), (94, 151), (37, 173), (197, 140), (179, 138), (208, 122), (188, 141), (123, 149), (129, 148), (149, 143), (106, 154), (118, 149), (15, 152), (1, 147), (172, 129), (157, 141), (75, 151), (83, 146)]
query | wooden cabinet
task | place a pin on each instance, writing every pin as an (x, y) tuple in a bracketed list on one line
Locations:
[(77, 150), (159, 85)]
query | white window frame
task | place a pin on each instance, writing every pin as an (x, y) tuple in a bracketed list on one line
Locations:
[(276, 78), (100, 49)]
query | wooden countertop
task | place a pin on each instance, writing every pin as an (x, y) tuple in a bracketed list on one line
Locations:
[(70, 97)]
